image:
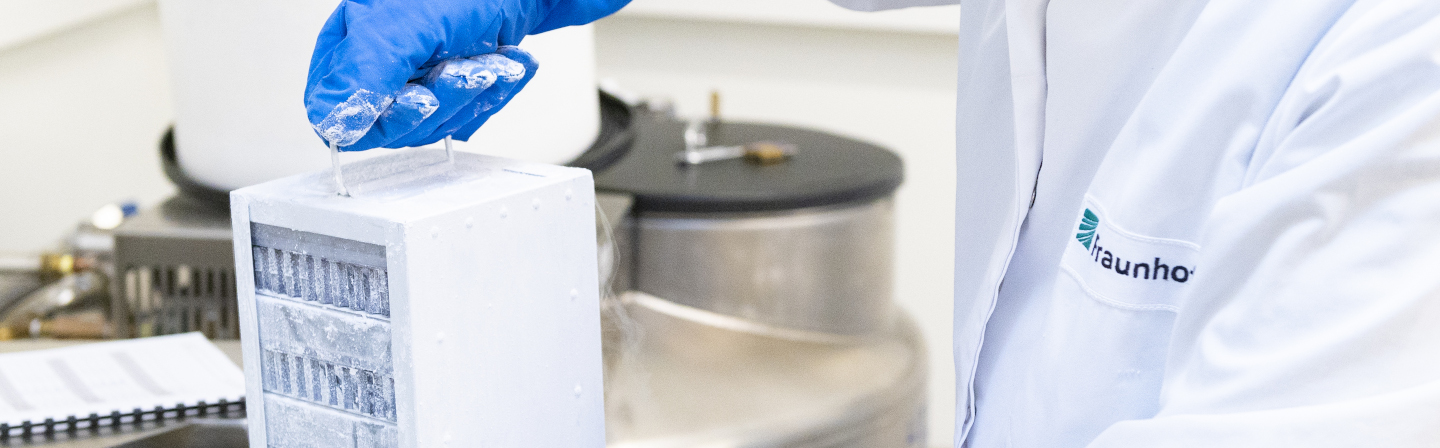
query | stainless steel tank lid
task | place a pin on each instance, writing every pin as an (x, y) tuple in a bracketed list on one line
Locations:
[(827, 169)]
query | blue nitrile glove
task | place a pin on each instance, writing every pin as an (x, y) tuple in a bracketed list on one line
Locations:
[(398, 73)]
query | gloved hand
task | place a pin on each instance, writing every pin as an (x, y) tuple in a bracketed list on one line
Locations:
[(398, 73)]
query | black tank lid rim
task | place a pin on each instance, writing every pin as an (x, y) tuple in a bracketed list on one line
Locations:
[(827, 170)]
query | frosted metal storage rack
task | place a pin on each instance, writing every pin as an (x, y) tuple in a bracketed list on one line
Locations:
[(443, 304)]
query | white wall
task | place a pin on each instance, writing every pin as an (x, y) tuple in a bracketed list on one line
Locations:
[(894, 88), (82, 109)]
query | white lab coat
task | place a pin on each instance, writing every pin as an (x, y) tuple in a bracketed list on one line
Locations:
[(1281, 157)]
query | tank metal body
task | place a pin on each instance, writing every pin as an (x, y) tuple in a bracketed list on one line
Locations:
[(761, 329), (825, 269)]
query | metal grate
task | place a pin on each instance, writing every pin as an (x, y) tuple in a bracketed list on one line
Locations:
[(175, 272), (180, 298)]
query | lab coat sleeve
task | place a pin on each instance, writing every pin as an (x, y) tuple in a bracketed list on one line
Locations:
[(878, 5), (1315, 319)]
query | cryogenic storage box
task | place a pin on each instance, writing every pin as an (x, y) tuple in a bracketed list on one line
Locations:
[(442, 304)]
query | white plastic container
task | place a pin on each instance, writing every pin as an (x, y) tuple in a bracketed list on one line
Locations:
[(442, 305), (238, 69)]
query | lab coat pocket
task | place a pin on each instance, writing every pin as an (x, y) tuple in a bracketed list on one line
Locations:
[(1125, 269)]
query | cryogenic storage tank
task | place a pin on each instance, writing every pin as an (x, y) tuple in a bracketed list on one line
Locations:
[(759, 309)]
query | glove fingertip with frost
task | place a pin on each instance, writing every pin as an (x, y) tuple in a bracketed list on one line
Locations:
[(512, 68), (413, 105)]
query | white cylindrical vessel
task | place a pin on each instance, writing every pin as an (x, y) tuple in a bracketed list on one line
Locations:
[(238, 69)]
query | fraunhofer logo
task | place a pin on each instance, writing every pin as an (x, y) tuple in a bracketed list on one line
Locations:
[(1089, 236), (1088, 223)]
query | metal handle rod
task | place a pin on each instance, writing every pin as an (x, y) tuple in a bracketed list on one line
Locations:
[(335, 167), (449, 151)]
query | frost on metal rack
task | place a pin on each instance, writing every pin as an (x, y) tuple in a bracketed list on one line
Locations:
[(351, 389), (320, 269), (323, 305)]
